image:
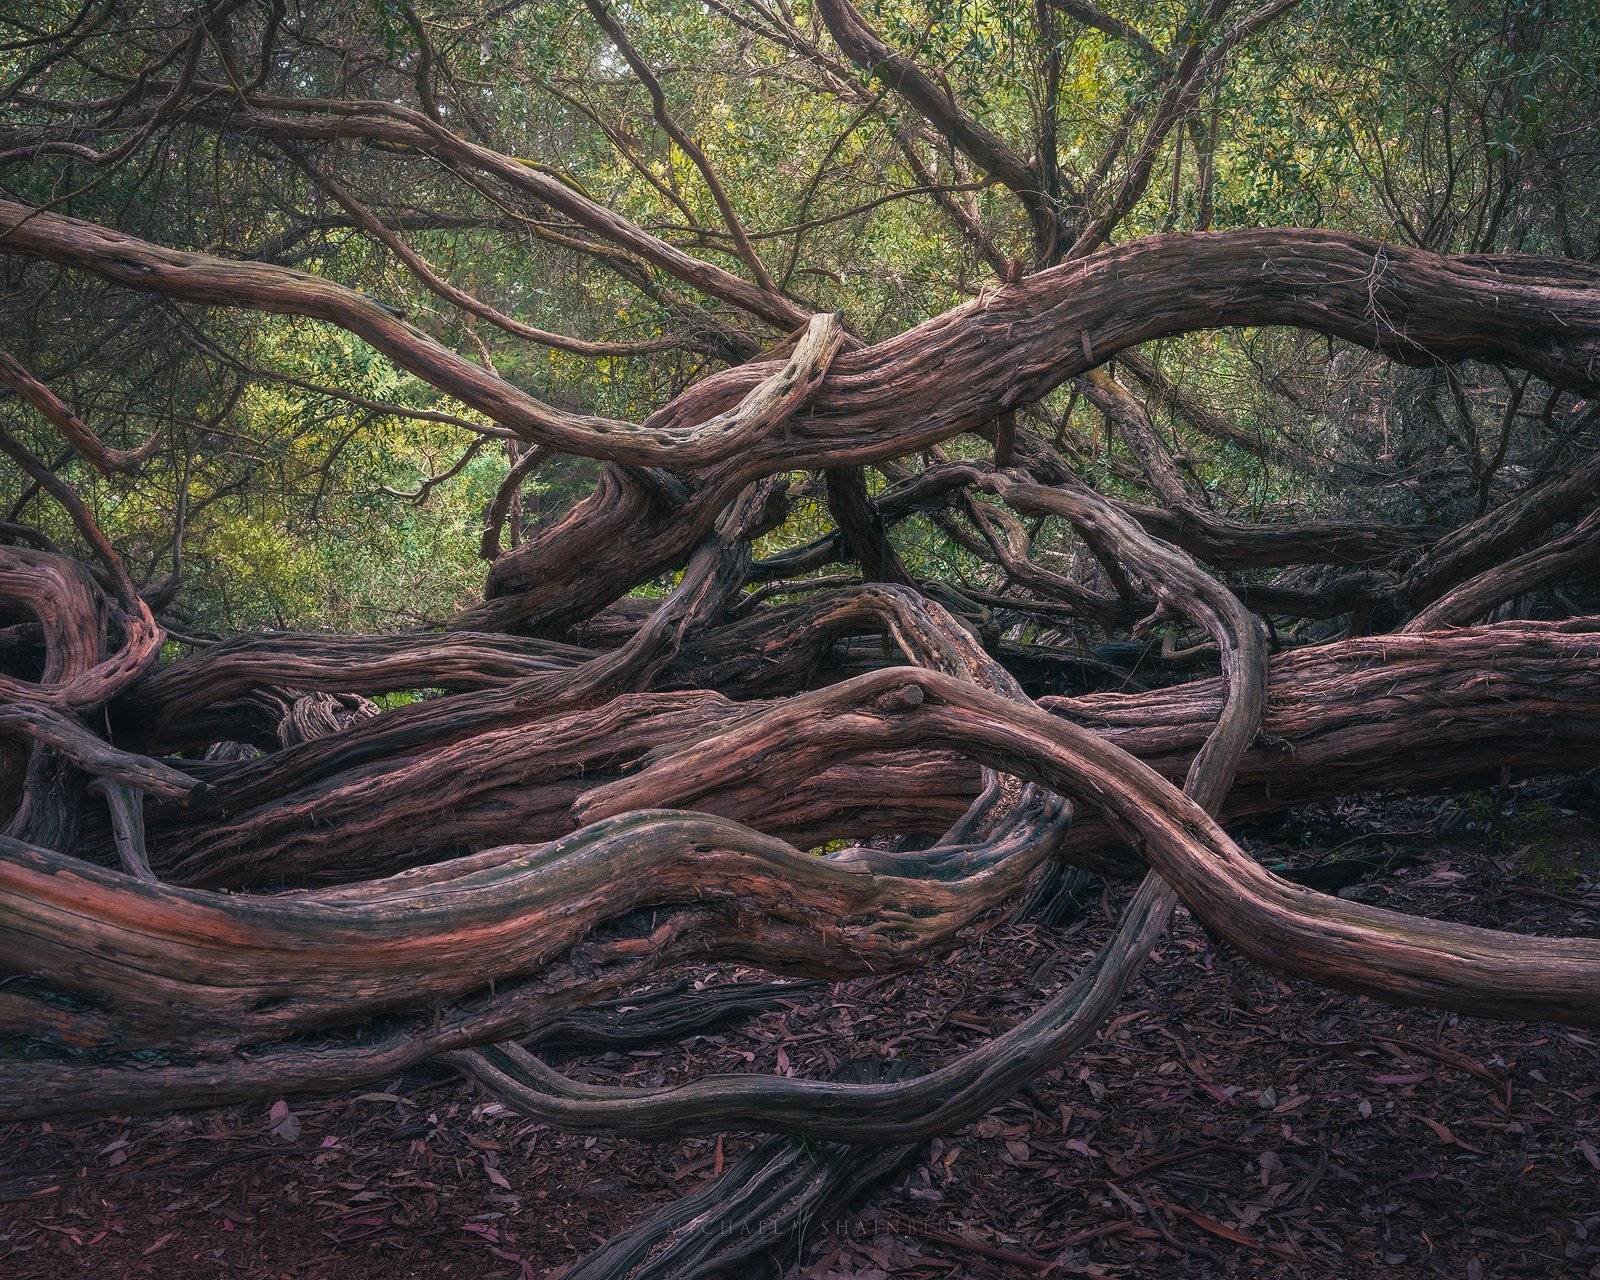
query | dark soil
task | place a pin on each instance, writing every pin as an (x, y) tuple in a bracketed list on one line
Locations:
[(1225, 1123)]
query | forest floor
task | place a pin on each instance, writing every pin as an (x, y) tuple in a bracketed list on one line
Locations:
[(1225, 1123)]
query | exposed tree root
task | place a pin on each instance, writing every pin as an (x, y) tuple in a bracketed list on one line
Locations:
[(758, 1211)]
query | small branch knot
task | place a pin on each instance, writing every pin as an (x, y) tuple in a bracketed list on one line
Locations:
[(906, 698)]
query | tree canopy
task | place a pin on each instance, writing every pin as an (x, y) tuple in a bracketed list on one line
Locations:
[(505, 501)]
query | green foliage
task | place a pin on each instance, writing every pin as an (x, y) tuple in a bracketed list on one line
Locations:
[(1401, 120)]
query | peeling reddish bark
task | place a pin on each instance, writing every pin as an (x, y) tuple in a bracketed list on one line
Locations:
[(525, 808)]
